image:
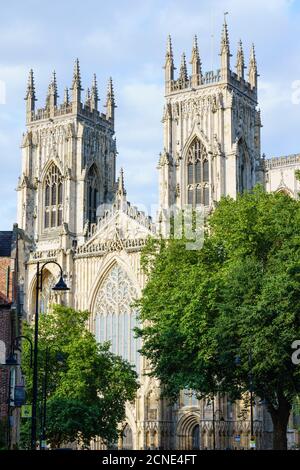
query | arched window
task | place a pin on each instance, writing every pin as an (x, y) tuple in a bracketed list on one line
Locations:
[(127, 438), (245, 171), (92, 194), (196, 437), (198, 174), (53, 190), (115, 316)]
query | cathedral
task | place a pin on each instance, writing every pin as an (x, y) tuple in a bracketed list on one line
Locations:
[(74, 208)]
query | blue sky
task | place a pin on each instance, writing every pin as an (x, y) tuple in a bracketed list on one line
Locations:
[(126, 39)]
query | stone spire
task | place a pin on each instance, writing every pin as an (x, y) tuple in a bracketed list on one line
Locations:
[(253, 69), (51, 101), (94, 94), (225, 52), (183, 76), (240, 62), (121, 185), (76, 86), (66, 96), (53, 86), (121, 191), (30, 96), (169, 65), (110, 102), (88, 98), (196, 65)]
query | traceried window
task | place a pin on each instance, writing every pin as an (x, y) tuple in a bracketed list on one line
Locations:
[(197, 175), (53, 191), (92, 194), (115, 317)]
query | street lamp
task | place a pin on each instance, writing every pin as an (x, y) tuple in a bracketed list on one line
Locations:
[(60, 287)]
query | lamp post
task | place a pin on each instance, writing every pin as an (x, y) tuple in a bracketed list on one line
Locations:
[(43, 434), (60, 287), (11, 362)]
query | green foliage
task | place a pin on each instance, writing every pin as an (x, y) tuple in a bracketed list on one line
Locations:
[(239, 294), (87, 385)]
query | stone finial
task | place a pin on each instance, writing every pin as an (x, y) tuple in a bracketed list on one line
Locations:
[(196, 64), (225, 46), (225, 52), (169, 65), (66, 96), (76, 84), (240, 62), (51, 100), (30, 93), (121, 191), (30, 97), (94, 94), (253, 68), (183, 75), (87, 98), (110, 101)]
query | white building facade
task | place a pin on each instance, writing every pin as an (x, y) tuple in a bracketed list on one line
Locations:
[(76, 212)]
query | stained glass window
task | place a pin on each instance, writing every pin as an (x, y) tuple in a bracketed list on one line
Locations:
[(53, 191), (198, 176), (116, 317)]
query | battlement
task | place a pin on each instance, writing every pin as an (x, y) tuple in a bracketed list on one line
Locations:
[(73, 105), (225, 74), (281, 162)]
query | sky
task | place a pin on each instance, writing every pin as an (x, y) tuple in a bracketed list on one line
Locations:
[(127, 40)]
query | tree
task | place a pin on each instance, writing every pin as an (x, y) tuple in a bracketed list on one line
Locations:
[(237, 297), (87, 384)]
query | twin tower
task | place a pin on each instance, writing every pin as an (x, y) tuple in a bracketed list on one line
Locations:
[(211, 129), (211, 145)]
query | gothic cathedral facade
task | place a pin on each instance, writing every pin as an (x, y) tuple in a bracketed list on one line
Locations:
[(76, 212)]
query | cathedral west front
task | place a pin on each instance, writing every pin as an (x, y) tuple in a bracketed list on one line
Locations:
[(72, 204)]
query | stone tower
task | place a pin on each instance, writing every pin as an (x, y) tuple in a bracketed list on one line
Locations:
[(68, 162), (211, 129)]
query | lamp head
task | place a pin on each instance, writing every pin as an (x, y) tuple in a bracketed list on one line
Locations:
[(61, 285), (11, 360)]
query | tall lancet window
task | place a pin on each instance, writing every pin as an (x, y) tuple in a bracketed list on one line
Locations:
[(53, 191), (116, 317), (197, 175), (245, 170), (92, 194)]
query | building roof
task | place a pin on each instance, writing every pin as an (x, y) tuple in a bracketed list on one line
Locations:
[(284, 161), (5, 243)]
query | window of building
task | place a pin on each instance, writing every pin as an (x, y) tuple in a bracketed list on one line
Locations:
[(53, 191), (196, 437), (115, 317), (198, 174), (92, 194)]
